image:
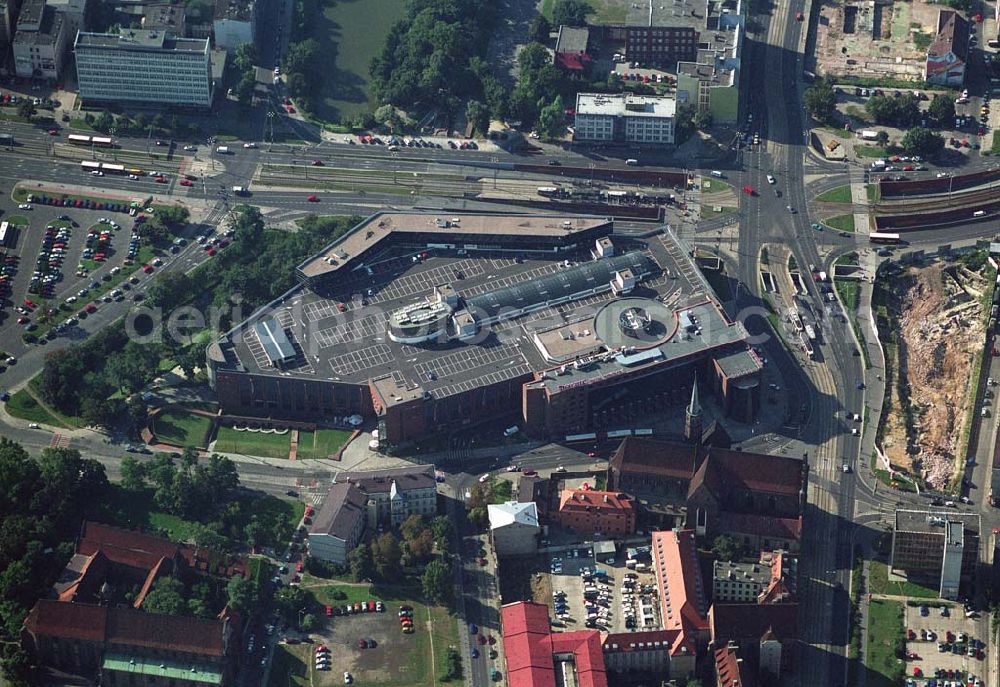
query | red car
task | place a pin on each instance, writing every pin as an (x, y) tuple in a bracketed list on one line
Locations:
[(160, 180), (329, 611), (210, 251), (289, 109), (90, 308), (53, 132), (287, 101), (529, 472), (28, 303), (298, 567), (147, 268), (310, 510), (798, 16), (23, 320), (748, 190), (317, 163), (185, 182), (313, 199)]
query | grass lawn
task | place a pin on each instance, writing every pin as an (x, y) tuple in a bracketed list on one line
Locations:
[(290, 666), (709, 211), (19, 220), (871, 191), (133, 509), (878, 583), (848, 290), (995, 148), (322, 442), (840, 222), (228, 440), (875, 151), (885, 627), (182, 429), (22, 405), (841, 194), (709, 186), (351, 33)]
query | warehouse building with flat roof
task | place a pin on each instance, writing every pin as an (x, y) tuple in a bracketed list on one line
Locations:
[(431, 323)]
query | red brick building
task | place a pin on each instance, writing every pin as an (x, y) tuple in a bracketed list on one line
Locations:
[(587, 511), (94, 628), (534, 653)]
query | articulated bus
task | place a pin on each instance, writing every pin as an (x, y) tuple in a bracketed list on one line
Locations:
[(99, 141), (876, 237)]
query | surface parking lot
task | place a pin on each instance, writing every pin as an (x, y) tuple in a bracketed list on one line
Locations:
[(621, 593), (371, 665), (940, 650)]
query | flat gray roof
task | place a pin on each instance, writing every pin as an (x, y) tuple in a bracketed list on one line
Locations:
[(667, 13), (934, 522), (141, 40), (572, 39), (340, 331)]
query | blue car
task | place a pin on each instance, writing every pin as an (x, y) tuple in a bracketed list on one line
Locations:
[(475, 652), (473, 630)]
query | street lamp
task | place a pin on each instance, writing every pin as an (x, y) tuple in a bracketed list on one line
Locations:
[(395, 165), (270, 123), (114, 153), (495, 160)]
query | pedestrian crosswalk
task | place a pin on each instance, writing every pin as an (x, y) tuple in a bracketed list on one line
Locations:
[(59, 441)]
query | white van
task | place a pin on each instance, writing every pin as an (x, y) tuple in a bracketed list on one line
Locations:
[(716, 173), (631, 161), (222, 150), (979, 213)]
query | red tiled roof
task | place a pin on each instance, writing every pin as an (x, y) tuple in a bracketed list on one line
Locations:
[(72, 621), (163, 566), (654, 457), (574, 61), (737, 622), (755, 472), (682, 600), (144, 551), (571, 500), (730, 671), (760, 525), (529, 646), (126, 627), (625, 642)]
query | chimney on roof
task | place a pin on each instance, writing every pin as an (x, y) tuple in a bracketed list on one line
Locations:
[(605, 498)]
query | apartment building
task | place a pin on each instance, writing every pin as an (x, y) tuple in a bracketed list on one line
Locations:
[(514, 528), (339, 524), (659, 33), (40, 41), (591, 512), (144, 66), (394, 495), (625, 117)]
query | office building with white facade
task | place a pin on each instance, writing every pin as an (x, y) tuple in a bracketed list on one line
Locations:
[(395, 494), (144, 66), (625, 117)]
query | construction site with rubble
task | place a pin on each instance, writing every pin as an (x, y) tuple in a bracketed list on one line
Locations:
[(932, 318)]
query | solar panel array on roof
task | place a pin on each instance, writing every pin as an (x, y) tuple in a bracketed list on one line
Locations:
[(566, 284), (272, 337)]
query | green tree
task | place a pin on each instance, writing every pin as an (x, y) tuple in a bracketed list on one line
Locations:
[(289, 602), (387, 116), (26, 109), (166, 598), (453, 663), (241, 593), (133, 474), (920, 141), (727, 548), (412, 527), (570, 13), (478, 516), (244, 91), (104, 121), (703, 120), (550, 119), (359, 561), (386, 556), (422, 546), (478, 115), (820, 101), (437, 581), (246, 57), (882, 138), (539, 29), (310, 622), (942, 109)]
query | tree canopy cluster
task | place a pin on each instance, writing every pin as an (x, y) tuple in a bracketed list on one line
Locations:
[(920, 141), (820, 101), (901, 111), (570, 12), (426, 59), (42, 504)]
